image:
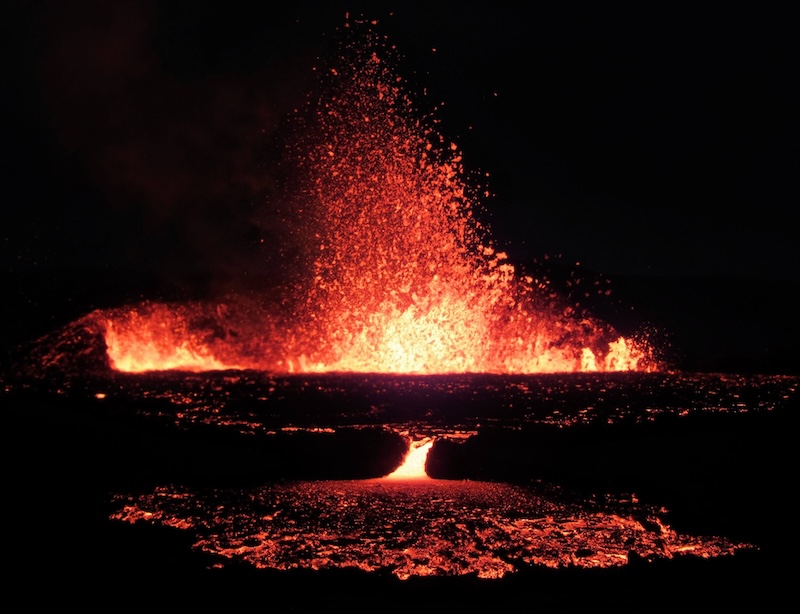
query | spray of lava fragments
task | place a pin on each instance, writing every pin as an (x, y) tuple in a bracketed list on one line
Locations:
[(398, 274)]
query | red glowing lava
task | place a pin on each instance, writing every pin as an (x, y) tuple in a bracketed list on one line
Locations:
[(400, 276)]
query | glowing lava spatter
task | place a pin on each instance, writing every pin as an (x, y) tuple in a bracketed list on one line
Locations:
[(400, 275)]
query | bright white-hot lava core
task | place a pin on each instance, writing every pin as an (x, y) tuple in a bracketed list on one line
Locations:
[(397, 274), (413, 465)]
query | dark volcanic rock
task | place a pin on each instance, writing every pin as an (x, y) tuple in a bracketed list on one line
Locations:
[(76, 350), (715, 474), (116, 449)]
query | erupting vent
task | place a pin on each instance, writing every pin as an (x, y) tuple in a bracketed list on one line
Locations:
[(398, 273)]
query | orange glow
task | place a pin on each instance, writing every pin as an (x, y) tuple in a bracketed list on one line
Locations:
[(413, 466), (161, 342), (397, 273), (413, 529)]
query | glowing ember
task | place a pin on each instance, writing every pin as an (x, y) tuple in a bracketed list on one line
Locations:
[(398, 274)]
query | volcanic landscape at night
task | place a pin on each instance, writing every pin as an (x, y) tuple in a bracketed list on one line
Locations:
[(383, 398), (395, 273)]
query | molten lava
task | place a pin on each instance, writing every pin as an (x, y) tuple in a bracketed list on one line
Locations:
[(399, 275), (413, 466)]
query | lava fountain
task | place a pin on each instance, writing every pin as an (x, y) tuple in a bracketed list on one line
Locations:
[(398, 273)]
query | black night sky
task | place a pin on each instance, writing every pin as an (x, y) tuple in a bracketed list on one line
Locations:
[(653, 142)]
